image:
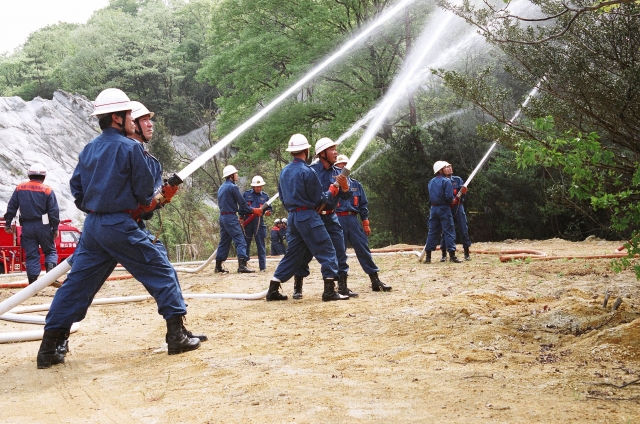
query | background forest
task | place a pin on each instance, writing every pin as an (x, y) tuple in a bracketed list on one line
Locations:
[(567, 167)]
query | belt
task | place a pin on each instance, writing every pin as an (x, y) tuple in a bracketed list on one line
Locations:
[(301, 208), (346, 213), (326, 212), (227, 213)]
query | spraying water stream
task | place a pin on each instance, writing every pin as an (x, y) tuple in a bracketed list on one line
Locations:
[(426, 41), (226, 140)]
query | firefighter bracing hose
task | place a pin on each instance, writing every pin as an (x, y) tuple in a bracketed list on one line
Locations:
[(531, 94)]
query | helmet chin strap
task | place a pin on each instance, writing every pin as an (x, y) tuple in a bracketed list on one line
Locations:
[(139, 131), (123, 115)]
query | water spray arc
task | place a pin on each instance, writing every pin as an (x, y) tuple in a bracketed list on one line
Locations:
[(400, 84), (226, 140), (532, 94)]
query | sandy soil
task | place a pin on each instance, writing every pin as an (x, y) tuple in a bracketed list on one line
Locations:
[(481, 341)]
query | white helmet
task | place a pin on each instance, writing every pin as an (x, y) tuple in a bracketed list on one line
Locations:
[(228, 170), (138, 110), (298, 143), (277, 221), (342, 159), (439, 165), (111, 100), (323, 144), (284, 220), (37, 169), (257, 181)]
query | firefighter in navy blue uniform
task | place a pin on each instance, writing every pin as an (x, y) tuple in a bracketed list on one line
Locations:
[(356, 234), (301, 193), (459, 215), (111, 179), (440, 217), (230, 202), (39, 218), (257, 229), (143, 133), (327, 155), (283, 234), (277, 248)]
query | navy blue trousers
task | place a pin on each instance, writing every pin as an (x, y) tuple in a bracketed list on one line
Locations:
[(230, 229), (108, 239), (258, 231), (34, 235), (355, 235), (441, 224), (307, 235)]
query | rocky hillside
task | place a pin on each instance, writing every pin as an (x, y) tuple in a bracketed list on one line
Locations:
[(52, 132)]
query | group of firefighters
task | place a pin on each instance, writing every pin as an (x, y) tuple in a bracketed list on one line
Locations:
[(116, 179)]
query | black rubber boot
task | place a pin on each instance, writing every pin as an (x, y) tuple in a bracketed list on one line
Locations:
[(219, 268), (189, 334), (48, 267), (177, 340), (48, 354), (342, 287), (273, 293), (32, 278), (428, 260), (466, 254), (444, 256), (297, 287), (453, 258), (376, 284), (243, 268), (62, 344), (330, 292)]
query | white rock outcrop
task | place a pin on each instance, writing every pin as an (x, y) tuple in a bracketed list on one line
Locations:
[(52, 132)]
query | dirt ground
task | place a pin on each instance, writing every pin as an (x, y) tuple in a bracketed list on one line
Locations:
[(482, 341)]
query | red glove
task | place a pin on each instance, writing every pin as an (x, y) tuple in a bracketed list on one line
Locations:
[(143, 209), (267, 213), (365, 227), (342, 181), (463, 190), (257, 211), (334, 190), (168, 191), (456, 200)]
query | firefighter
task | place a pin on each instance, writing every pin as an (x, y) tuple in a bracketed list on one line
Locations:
[(257, 229), (459, 216), (277, 248), (301, 193), (283, 234), (327, 154), (39, 218), (440, 217), (110, 180), (143, 133), (231, 202), (355, 233)]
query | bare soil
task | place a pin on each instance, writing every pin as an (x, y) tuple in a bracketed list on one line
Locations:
[(481, 341)]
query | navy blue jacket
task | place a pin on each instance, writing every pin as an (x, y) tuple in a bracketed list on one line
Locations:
[(112, 175), (440, 191), (34, 199), (230, 199), (309, 194), (358, 203), (256, 200), (328, 177)]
